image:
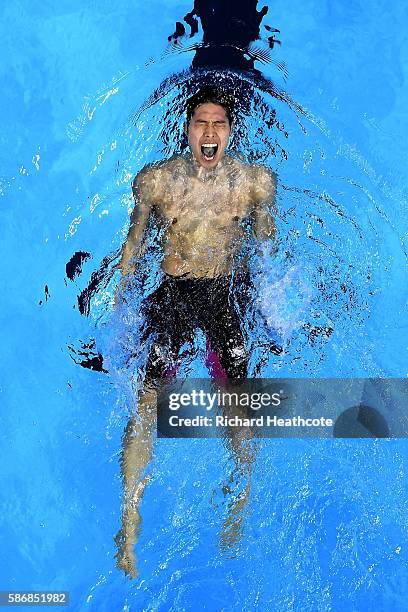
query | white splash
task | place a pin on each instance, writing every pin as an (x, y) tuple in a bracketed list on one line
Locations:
[(283, 298)]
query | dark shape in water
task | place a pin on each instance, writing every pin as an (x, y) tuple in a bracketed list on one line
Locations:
[(180, 31), (361, 422), (192, 22), (47, 295), (99, 280), (228, 30), (73, 267), (86, 357)]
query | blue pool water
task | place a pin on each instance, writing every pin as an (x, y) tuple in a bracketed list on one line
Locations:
[(326, 527)]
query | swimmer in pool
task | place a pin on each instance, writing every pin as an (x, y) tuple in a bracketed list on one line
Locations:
[(202, 201)]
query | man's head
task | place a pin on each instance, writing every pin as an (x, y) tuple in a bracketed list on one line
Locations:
[(209, 120)]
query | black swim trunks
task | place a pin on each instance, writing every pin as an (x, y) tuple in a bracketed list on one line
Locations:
[(178, 307)]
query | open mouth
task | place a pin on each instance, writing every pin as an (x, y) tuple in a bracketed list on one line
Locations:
[(209, 150)]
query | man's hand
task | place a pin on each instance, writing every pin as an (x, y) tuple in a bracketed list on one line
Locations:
[(121, 290)]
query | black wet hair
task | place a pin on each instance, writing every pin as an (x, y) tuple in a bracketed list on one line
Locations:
[(210, 95)]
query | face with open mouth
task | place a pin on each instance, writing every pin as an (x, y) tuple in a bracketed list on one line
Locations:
[(208, 133)]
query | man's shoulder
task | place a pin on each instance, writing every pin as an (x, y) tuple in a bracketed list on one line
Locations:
[(253, 171), (264, 181), (160, 168), (144, 175), (264, 173)]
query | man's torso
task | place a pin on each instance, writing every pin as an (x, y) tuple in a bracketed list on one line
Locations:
[(202, 214)]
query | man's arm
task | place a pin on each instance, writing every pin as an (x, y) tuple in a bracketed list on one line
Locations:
[(132, 248), (264, 189)]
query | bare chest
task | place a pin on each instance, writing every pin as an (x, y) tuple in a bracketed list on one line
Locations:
[(219, 201)]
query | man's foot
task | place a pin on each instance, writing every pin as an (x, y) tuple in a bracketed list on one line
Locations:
[(125, 556), (233, 527), (128, 534)]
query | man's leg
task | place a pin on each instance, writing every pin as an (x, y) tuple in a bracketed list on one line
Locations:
[(164, 319), (224, 329), (136, 454)]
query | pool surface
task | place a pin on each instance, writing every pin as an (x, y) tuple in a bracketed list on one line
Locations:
[(326, 524)]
